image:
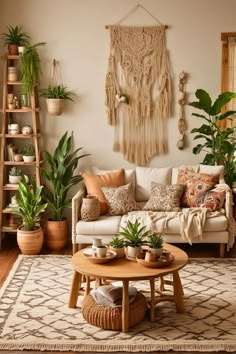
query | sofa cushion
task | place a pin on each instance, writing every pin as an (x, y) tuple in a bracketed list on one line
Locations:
[(213, 170), (94, 182), (105, 225), (175, 171), (146, 175), (164, 197), (129, 174), (213, 199), (120, 200), (196, 183)]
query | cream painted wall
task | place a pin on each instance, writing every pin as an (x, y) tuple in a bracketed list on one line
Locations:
[(76, 36)]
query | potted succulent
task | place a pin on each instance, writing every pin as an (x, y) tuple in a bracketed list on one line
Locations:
[(155, 243), (59, 177), (15, 38), (135, 236), (15, 175), (218, 144), (29, 208), (56, 95), (117, 245), (28, 153), (30, 68)]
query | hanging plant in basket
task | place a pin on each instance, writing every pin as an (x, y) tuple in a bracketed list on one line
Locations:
[(56, 93)]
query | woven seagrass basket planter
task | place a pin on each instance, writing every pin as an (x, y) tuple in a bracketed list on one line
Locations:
[(110, 317)]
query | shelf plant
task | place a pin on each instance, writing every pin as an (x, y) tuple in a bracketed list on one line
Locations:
[(218, 144), (60, 177), (56, 95), (15, 175), (29, 209), (28, 152), (31, 68), (13, 38)]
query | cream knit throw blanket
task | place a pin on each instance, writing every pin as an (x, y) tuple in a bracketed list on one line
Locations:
[(191, 221), (139, 69)]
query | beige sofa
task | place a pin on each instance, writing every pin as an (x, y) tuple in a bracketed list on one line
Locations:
[(218, 227)]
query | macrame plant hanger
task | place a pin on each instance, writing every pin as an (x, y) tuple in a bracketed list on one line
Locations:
[(55, 105), (138, 89)]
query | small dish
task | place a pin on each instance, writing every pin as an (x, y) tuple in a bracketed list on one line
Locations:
[(164, 261), (88, 252)]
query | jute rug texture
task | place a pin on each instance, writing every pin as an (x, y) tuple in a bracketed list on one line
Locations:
[(34, 314)]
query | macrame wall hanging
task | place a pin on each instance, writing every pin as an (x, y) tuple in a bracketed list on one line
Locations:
[(182, 103), (138, 91)]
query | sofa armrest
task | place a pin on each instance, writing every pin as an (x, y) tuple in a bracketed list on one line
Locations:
[(76, 205), (229, 214)]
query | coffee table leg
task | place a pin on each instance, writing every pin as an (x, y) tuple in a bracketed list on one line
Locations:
[(178, 292), (125, 306), (152, 301), (74, 291)]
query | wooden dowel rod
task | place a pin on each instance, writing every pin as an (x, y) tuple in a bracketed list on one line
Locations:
[(107, 26)]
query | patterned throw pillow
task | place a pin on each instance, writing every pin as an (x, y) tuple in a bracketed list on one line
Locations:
[(164, 197), (120, 200), (195, 184), (94, 182), (213, 199)]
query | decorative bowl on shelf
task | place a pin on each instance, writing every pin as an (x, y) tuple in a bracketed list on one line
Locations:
[(90, 254), (163, 261)]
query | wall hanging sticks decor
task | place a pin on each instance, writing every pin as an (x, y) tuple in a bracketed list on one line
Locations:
[(138, 91), (181, 102)]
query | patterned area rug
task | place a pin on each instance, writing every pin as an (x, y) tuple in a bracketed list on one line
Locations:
[(34, 314)]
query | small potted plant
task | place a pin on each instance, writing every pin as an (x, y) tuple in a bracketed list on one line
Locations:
[(15, 38), (135, 236), (15, 175), (29, 208), (56, 96), (117, 245), (155, 243), (28, 152)]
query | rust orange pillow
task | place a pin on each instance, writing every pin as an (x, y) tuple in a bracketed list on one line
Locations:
[(195, 184), (94, 182)]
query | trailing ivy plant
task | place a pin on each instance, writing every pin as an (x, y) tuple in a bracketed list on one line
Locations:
[(218, 144), (31, 69)]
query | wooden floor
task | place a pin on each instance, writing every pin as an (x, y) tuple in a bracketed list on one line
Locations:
[(9, 253)]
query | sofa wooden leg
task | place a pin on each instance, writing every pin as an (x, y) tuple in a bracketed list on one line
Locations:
[(222, 250), (75, 248)]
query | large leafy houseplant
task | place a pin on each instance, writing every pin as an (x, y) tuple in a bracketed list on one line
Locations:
[(31, 68), (218, 144), (60, 175), (30, 205)]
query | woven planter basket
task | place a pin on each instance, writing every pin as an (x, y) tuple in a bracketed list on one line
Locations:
[(110, 317), (55, 106)]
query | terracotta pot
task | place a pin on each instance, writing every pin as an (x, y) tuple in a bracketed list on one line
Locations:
[(119, 251), (56, 234), (13, 49), (30, 242), (55, 106)]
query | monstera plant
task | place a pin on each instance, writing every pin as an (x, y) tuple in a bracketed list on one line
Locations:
[(218, 144)]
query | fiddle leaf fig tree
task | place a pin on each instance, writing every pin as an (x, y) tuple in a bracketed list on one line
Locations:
[(218, 144)]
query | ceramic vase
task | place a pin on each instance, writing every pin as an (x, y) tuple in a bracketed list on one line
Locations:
[(90, 209)]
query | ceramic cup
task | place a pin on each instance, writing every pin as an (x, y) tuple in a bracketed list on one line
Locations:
[(101, 251)]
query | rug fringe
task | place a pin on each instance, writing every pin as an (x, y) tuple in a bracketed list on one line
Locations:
[(183, 346)]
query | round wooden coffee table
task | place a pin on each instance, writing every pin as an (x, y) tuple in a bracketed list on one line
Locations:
[(121, 269)]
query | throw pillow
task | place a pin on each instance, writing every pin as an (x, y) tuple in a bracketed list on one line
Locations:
[(164, 197), (195, 184), (94, 182), (120, 200), (213, 199)]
